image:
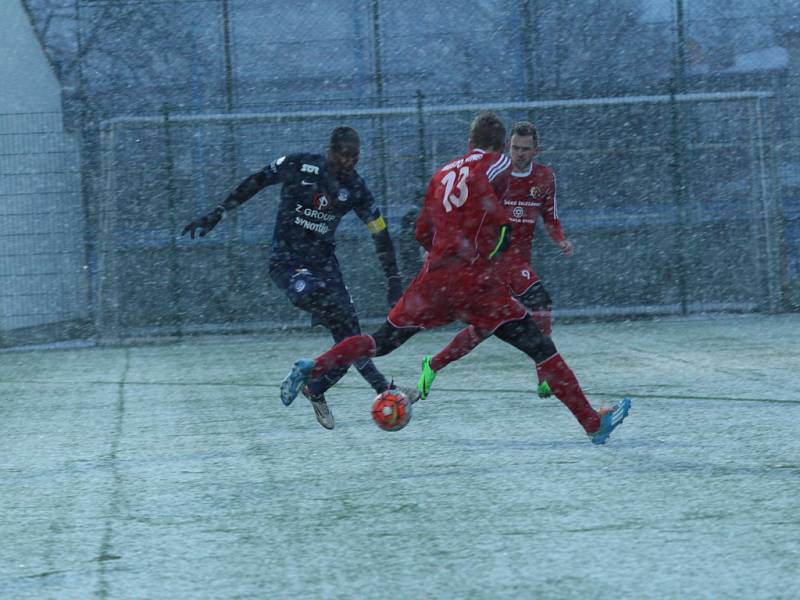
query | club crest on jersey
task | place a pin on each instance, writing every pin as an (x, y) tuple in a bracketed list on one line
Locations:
[(344, 194), (321, 202), (535, 191)]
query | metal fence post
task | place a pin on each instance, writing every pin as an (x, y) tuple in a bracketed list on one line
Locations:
[(380, 101), (774, 218), (174, 266), (422, 136), (678, 161), (527, 49)]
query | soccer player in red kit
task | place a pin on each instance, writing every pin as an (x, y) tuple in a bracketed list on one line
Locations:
[(464, 228), (531, 194)]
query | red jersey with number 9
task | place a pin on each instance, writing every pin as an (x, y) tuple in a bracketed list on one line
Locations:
[(461, 216)]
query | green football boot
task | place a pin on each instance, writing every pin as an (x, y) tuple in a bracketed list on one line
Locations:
[(426, 378), (543, 389)]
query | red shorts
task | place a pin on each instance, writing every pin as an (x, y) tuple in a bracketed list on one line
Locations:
[(448, 294), (518, 274)]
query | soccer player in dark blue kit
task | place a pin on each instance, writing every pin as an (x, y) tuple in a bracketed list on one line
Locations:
[(317, 191)]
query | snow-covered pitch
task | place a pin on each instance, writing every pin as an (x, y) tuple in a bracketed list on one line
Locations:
[(174, 471)]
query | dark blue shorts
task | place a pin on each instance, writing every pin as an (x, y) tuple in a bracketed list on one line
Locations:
[(316, 287)]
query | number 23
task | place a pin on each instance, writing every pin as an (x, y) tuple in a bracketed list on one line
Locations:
[(457, 199)]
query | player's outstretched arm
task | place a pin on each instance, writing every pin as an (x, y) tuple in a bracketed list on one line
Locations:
[(551, 221), (384, 247), (243, 192), (204, 224)]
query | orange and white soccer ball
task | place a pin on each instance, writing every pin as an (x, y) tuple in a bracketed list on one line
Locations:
[(391, 410)]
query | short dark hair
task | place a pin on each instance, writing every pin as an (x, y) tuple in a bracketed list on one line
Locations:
[(525, 129), (487, 131), (341, 136)]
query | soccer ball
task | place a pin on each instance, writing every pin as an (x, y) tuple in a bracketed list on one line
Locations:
[(391, 410)]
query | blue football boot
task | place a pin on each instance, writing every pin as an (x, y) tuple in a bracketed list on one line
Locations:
[(610, 419), (296, 379)]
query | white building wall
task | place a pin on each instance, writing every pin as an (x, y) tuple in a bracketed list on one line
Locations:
[(43, 279)]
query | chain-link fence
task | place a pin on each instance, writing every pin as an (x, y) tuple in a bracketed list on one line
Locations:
[(660, 227), (675, 205), (44, 280)]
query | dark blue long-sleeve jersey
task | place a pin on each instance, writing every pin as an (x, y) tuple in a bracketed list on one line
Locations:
[(312, 204)]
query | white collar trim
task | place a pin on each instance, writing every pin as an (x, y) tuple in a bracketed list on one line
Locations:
[(522, 173)]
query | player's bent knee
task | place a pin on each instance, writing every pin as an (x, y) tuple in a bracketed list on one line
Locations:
[(545, 349), (526, 336), (388, 338), (536, 298), (343, 325)]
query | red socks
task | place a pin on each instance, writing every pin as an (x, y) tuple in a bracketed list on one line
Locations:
[(343, 354), (461, 345), (567, 389)]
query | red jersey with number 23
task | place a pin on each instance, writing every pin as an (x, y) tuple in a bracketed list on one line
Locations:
[(462, 215), (459, 226)]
